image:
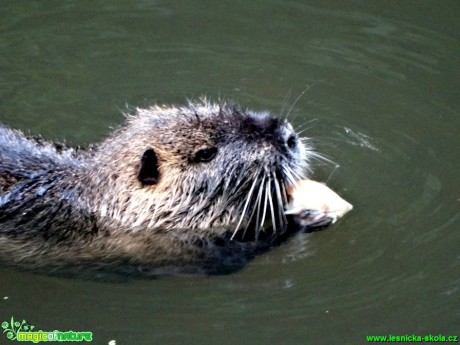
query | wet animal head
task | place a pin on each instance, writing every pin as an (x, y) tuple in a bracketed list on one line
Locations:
[(203, 166)]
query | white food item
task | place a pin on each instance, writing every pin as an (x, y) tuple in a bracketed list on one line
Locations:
[(315, 204)]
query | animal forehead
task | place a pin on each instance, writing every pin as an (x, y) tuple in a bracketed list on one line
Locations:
[(210, 123)]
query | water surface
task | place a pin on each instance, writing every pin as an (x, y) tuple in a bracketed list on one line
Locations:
[(375, 85)]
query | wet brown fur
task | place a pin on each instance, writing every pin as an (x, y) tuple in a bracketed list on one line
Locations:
[(63, 207)]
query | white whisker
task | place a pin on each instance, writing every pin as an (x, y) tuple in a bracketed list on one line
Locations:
[(297, 99), (291, 179), (255, 208), (281, 215), (305, 125), (245, 207), (285, 102), (272, 209), (264, 212), (316, 155), (259, 203)]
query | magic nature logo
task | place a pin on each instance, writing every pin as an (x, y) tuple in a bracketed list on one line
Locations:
[(23, 331)]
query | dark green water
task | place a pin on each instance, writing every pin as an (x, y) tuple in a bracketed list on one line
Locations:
[(381, 82)]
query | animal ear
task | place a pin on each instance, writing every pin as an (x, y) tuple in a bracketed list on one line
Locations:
[(148, 173)]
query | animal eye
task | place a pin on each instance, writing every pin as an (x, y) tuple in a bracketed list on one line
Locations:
[(205, 155)]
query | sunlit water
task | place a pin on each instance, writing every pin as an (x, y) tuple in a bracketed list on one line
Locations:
[(374, 84)]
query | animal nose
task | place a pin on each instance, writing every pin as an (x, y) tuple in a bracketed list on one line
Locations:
[(291, 141), (277, 131)]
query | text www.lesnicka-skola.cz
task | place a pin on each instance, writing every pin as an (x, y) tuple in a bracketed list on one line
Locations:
[(412, 338)]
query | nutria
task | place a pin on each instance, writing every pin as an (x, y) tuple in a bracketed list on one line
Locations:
[(197, 188)]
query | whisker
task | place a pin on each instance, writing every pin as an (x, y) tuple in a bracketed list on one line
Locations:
[(319, 157), (300, 131), (245, 208), (285, 102), (272, 210), (297, 99), (297, 174), (284, 194), (300, 171), (281, 215), (289, 176), (264, 212), (332, 173), (305, 125), (257, 203)]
